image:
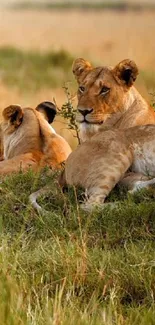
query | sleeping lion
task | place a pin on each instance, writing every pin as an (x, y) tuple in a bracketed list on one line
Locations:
[(107, 97), (28, 139)]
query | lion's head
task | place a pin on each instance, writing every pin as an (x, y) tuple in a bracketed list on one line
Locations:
[(102, 91), (28, 139), (21, 130)]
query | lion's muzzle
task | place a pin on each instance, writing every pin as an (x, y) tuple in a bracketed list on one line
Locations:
[(86, 111)]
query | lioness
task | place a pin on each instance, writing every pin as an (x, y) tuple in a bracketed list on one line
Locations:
[(99, 163), (28, 140), (107, 97)]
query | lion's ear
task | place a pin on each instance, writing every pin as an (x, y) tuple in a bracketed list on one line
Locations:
[(13, 114), (48, 109), (126, 72), (80, 68)]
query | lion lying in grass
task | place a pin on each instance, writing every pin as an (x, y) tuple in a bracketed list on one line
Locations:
[(98, 164), (107, 104), (28, 140)]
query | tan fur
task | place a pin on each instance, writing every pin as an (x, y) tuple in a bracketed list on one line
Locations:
[(121, 106), (99, 163), (28, 140)]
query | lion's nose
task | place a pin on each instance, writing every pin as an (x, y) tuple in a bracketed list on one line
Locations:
[(84, 112)]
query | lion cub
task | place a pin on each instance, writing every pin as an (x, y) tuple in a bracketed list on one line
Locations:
[(100, 163)]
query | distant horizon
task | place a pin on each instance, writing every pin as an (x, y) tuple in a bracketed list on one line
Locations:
[(7, 2)]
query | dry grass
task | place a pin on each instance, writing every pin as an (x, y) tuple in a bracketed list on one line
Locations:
[(104, 38)]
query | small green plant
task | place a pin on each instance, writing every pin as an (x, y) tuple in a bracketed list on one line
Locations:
[(68, 112), (153, 100)]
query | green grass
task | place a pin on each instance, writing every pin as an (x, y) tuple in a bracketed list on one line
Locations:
[(31, 71), (148, 77), (70, 267), (96, 5)]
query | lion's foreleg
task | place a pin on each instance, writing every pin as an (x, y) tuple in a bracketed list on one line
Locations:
[(108, 176)]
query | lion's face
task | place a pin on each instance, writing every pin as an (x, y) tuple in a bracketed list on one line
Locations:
[(102, 91), (98, 96)]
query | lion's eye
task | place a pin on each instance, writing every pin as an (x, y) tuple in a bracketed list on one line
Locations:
[(104, 90), (81, 89)]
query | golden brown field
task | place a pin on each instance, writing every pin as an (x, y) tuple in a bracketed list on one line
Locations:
[(103, 37)]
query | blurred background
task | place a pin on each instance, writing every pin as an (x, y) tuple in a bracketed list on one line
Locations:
[(40, 39)]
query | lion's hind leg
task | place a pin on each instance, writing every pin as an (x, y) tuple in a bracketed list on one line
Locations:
[(143, 184), (136, 181)]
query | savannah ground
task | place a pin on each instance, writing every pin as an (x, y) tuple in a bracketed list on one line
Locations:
[(68, 267)]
